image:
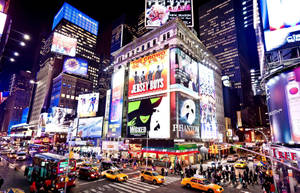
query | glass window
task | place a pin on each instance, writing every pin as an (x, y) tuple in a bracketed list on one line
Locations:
[(194, 180)]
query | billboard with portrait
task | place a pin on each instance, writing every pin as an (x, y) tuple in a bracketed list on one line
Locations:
[(88, 105), (58, 119), (281, 23), (90, 127), (207, 103), (63, 44), (76, 65), (184, 71), (158, 12), (149, 75), (116, 104), (145, 116), (185, 116), (283, 101)]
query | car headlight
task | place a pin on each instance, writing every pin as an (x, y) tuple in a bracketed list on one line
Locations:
[(121, 178), (219, 189)]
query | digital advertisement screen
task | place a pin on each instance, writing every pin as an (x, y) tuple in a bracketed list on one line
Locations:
[(283, 101), (90, 127), (207, 103), (57, 119), (145, 115), (149, 75), (76, 65), (184, 70), (3, 17), (116, 39), (88, 105), (281, 23), (116, 105), (185, 116), (158, 12), (63, 44)]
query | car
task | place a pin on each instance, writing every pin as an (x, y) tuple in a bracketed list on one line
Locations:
[(232, 158), (12, 155), (79, 163), (107, 165), (115, 175), (202, 184), (240, 164), (21, 156), (88, 173), (152, 176)]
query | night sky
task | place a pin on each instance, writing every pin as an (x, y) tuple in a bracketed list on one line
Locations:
[(35, 18)]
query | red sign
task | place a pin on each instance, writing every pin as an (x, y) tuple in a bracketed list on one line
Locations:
[(286, 155)]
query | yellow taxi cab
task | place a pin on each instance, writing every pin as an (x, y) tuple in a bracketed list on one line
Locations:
[(201, 183), (240, 164), (115, 175), (152, 176)]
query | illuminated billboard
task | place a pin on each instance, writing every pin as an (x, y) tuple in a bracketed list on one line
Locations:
[(76, 65), (185, 116), (63, 44), (158, 12), (116, 105), (88, 104), (149, 75), (76, 17), (3, 17), (145, 115), (57, 120), (90, 127), (281, 23), (117, 38), (283, 101), (207, 103), (184, 70)]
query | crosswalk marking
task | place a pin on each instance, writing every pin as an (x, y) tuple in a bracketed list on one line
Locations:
[(140, 186), (118, 187), (125, 186), (143, 184), (139, 182), (239, 186)]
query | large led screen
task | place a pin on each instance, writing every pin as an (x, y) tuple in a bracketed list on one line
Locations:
[(116, 105), (58, 119), (281, 23), (158, 12), (76, 65), (207, 103), (63, 44), (184, 70), (90, 127), (2, 22), (283, 100), (88, 105), (185, 116), (149, 115), (116, 39), (149, 75)]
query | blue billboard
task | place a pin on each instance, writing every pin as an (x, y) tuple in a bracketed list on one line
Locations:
[(90, 127), (76, 17), (75, 65)]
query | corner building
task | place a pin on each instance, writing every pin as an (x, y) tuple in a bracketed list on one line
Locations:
[(166, 85)]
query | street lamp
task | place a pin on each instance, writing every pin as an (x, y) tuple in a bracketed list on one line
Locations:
[(26, 37), (12, 59), (16, 54), (22, 44)]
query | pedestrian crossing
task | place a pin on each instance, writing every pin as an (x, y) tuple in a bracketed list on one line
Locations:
[(133, 185)]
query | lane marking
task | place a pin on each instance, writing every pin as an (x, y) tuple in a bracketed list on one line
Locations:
[(85, 183)]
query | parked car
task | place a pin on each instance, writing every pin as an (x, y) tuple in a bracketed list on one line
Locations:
[(88, 173)]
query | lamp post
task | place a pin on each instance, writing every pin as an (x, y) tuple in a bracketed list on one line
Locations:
[(147, 149)]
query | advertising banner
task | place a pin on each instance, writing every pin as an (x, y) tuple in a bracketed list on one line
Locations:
[(184, 70), (158, 12), (281, 23), (149, 115), (207, 103), (58, 119), (149, 75), (283, 101), (88, 105), (116, 39), (185, 116), (76, 65), (3, 17), (90, 127), (63, 44), (110, 145), (116, 105)]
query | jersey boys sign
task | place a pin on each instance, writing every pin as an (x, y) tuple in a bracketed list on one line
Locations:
[(149, 74)]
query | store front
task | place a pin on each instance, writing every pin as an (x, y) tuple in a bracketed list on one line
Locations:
[(110, 150)]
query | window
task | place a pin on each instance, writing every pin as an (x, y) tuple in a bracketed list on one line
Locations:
[(143, 47), (148, 45), (164, 37), (154, 42), (168, 35), (194, 180)]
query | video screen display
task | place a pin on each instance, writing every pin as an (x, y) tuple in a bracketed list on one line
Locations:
[(281, 23), (207, 103), (63, 44), (185, 116), (3, 17), (184, 70), (283, 101), (145, 115), (88, 105), (158, 12), (149, 75), (76, 65), (90, 127)]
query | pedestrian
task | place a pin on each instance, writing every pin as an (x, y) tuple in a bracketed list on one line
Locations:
[(171, 169), (33, 188), (166, 171), (162, 171), (1, 182), (201, 169), (181, 174), (240, 178), (272, 188)]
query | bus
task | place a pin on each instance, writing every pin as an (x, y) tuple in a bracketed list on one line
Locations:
[(49, 166)]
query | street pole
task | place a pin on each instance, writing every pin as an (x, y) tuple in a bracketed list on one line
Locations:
[(147, 150)]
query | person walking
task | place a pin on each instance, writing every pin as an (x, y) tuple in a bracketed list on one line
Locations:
[(162, 171), (1, 182), (181, 174)]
